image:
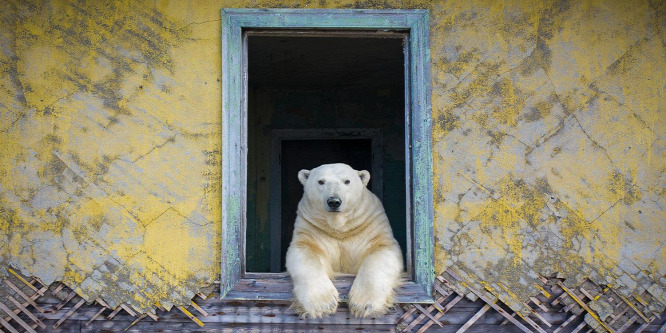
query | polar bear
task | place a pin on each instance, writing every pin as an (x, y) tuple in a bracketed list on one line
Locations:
[(341, 227)]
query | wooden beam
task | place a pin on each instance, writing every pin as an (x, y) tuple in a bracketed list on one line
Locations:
[(25, 282), (16, 318), (428, 314), (65, 301), (567, 322), (24, 296), (69, 313), (26, 312), (579, 327), (114, 313), (191, 316), (474, 318), (584, 306), (445, 310), (500, 310), (633, 307), (95, 316), (134, 322), (645, 325), (627, 324), (9, 327)]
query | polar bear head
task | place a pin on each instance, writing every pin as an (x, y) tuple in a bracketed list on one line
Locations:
[(334, 187)]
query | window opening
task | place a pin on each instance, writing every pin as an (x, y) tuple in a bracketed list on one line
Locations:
[(315, 100)]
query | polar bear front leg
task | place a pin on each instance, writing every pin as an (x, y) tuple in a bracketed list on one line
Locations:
[(314, 292), (372, 292)]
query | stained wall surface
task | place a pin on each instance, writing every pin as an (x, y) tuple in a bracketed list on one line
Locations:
[(548, 142)]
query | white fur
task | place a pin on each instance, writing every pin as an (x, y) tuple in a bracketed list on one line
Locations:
[(357, 239)]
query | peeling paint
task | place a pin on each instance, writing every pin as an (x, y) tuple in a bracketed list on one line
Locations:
[(548, 141), (106, 177)]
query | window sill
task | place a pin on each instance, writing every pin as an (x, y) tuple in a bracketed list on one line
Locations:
[(278, 287)]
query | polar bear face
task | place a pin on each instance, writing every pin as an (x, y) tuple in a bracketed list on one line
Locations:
[(334, 187)]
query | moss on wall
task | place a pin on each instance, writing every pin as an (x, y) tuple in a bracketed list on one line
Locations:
[(548, 143)]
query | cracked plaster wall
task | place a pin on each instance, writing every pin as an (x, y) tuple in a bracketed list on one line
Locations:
[(548, 142)]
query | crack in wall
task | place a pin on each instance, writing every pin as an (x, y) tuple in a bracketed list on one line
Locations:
[(169, 140), (594, 143), (197, 23)]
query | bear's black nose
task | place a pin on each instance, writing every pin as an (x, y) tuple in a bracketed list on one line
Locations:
[(334, 202)]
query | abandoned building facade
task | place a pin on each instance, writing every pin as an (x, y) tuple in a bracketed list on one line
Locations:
[(149, 152)]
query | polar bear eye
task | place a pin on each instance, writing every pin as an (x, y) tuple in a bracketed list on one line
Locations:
[(321, 182), (347, 182)]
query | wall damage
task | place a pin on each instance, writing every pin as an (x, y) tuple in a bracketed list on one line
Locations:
[(548, 131)]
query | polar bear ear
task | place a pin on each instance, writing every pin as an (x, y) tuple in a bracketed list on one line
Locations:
[(303, 176), (365, 177)]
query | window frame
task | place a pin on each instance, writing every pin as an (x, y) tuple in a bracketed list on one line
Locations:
[(235, 283)]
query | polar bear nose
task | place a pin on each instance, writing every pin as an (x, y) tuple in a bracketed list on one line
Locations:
[(334, 202)]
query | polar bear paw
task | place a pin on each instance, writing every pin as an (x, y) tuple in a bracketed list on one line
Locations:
[(366, 302), (316, 302)]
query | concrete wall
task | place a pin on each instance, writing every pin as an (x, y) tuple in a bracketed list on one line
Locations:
[(548, 143)]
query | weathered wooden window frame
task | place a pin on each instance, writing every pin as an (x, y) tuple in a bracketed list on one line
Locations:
[(235, 283)]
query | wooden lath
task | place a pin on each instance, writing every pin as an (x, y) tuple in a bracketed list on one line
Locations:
[(447, 298), (577, 302), (27, 304), (574, 305), (24, 293)]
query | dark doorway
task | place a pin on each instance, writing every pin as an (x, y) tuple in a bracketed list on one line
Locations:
[(308, 154), (327, 82)]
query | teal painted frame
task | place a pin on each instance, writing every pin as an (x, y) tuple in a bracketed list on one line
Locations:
[(235, 283)]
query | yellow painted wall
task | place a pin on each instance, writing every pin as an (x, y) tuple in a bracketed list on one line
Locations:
[(548, 143)]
